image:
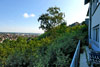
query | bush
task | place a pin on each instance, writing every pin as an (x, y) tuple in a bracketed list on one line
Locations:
[(54, 48)]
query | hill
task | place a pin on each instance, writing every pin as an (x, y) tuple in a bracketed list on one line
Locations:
[(54, 48)]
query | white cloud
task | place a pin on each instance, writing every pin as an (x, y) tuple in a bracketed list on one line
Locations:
[(32, 15), (26, 15)]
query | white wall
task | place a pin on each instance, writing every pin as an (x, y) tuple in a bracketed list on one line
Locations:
[(96, 17), (99, 36), (89, 29), (94, 5), (96, 21)]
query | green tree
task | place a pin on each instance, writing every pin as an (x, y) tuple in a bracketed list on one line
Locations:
[(51, 19), (84, 22)]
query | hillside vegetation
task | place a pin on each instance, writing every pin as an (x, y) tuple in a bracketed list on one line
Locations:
[(54, 48)]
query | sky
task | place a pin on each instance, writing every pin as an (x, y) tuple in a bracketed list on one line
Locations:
[(22, 15)]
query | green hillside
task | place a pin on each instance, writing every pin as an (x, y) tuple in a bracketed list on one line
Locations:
[(54, 48)]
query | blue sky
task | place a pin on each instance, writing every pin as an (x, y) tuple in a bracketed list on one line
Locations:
[(22, 15)]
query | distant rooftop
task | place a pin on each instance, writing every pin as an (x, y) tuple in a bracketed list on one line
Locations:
[(74, 24)]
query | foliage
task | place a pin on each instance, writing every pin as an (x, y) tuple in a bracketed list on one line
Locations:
[(54, 48), (51, 19)]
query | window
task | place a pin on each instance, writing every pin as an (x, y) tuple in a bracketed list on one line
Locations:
[(96, 33)]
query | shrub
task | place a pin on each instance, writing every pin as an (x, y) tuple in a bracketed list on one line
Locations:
[(54, 48)]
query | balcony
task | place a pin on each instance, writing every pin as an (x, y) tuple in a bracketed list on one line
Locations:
[(89, 57), (75, 59)]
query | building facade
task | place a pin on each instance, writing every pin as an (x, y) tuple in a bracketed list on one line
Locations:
[(94, 23)]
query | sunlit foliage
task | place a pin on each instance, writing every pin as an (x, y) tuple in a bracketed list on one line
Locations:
[(54, 48)]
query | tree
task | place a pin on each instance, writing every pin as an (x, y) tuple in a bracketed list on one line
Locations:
[(51, 19), (84, 22)]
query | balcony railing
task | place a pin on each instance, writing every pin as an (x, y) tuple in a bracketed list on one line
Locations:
[(75, 59)]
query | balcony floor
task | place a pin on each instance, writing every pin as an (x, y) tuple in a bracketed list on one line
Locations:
[(83, 60)]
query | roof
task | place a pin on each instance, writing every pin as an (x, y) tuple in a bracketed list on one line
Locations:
[(74, 24), (86, 1)]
